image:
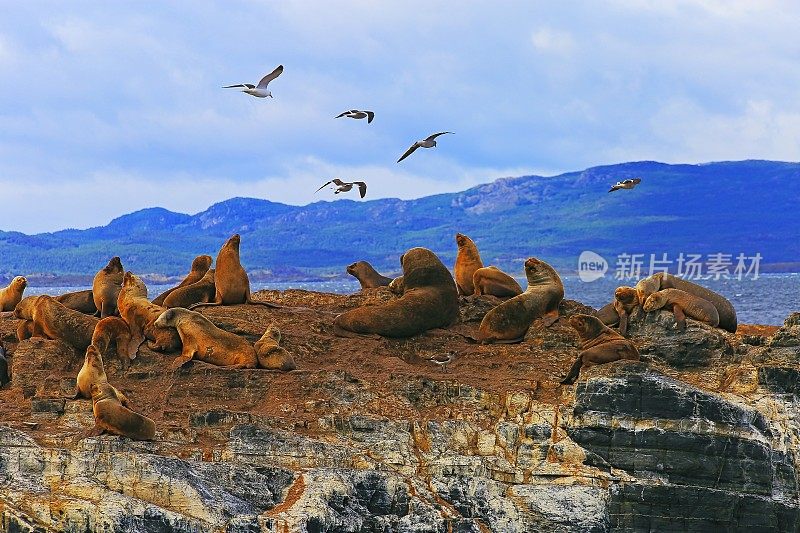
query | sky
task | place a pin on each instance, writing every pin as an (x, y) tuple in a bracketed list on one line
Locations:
[(110, 107)]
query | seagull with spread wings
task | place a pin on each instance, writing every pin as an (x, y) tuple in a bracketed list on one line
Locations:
[(428, 142), (357, 113), (625, 184), (260, 90), (344, 186)]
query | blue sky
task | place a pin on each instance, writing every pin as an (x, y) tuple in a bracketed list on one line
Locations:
[(109, 107)]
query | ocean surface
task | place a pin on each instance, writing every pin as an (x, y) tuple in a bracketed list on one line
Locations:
[(769, 299)]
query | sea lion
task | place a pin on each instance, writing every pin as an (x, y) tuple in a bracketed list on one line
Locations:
[(106, 286), (599, 344), (493, 281), (367, 276), (90, 373), (12, 294), (429, 300), (113, 330), (200, 291), (508, 322), (625, 301), (200, 266), (683, 304), (204, 341), (82, 301), (111, 415), (397, 286), (468, 260), (270, 355), (3, 366), (140, 314), (53, 320)]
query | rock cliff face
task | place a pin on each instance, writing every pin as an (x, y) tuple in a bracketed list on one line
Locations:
[(368, 435)]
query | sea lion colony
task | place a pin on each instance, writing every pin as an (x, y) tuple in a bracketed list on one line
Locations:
[(426, 296)]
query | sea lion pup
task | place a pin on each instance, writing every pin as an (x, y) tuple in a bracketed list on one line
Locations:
[(397, 286), (493, 281), (270, 355), (599, 344), (200, 266), (111, 415), (140, 314), (112, 330), (683, 304), (508, 322), (367, 276), (200, 291), (625, 301), (468, 260), (429, 300), (106, 286), (232, 286), (82, 301), (53, 320), (12, 294), (204, 341)]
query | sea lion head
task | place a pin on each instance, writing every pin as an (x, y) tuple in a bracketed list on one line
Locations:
[(352, 269), (114, 266), (647, 286), (626, 296), (133, 284), (273, 332), (587, 326), (93, 357), (657, 300), (233, 242), (166, 319), (201, 263), (24, 309), (421, 267), (462, 240), (20, 282), (539, 273)]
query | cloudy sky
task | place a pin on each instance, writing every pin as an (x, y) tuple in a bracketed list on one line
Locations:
[(109, 107)]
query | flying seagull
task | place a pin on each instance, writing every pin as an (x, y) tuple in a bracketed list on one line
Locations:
[(626, 184), (344, 186), (428, 142), (260, 90), (356, 113)]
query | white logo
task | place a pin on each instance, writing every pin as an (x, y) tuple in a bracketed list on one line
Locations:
[(591, 266)]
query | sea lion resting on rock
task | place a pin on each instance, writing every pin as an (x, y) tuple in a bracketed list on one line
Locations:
[(599, 344), (683, 304), (112, 330), (494, 282), (626, 299), (201, 291), (270, 355), (112, 415), (82, 301), (52, 320), (106, 286), (429, 300), (367, 276), (509, 321), (11, 295), (468, 260), (93, 372), (200, 266), (140, 314)]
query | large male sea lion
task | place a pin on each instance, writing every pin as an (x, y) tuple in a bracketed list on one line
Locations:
[(683, 304), (200, 266), (106, 286), (468, 260), (82, 301), (509, 321), (53, 320), (429, 300), (367, 276), (113, 330), (599, 344), (111, 415), (494, 282), (12, 294), (270, 355), (201, 291), (140, 314)]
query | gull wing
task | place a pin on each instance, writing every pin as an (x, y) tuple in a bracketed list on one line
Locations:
[(370, 116), (269, 77), (409, 152), (326, 184), (614, 187), (432, 137), (340, 115), (248, 85), (362, 188)]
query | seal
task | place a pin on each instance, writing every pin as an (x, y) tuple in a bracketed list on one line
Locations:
[(429, 300), (200, 291), (12, 294), (106, 286), (396, 286), (4, 378), (200, 266), (204, 341), (82, 301), (494, 282), (112, 330), (270, 355), (508, 322), (90, 373), (140, 314), (626, 299), (599, 344), (111, 415), (367, 276), (468, 260), (53, 320), (683, 304)]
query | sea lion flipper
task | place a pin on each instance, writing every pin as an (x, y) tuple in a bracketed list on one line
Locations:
[(179, 361), (574, 371), (623, 323), (203, 304), (680, 317), (267, 304)]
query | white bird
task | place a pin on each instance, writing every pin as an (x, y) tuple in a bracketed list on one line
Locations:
[(344, 186), (428, 142), (443, 360), (260, 90), (625, 184), (356, 113)]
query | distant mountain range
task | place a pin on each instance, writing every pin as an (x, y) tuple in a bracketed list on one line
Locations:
[(730, 207)]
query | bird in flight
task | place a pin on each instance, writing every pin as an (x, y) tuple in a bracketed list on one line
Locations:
[(356, 113), (344, 186), (625, 184), (428, 142), (260, 90)]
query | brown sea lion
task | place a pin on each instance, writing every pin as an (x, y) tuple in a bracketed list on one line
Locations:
[(270, 355), (201, 291), (625, 301), (508, 322), (367, 276), (429, 300), (599, 344), (82, 301), (494, 282), (26, 329), (106, 286), (111, 415), (683, 304), (140, 314), (608, 315), (53, 320), (12, 294), (204, 341), (468, 260), (200, 266), (397, 286), (113, 330), (90, 373)]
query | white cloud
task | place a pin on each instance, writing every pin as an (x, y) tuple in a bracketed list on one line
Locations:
[(551, 40)]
